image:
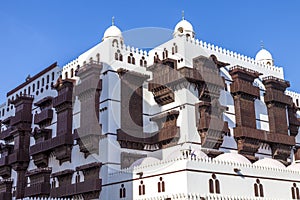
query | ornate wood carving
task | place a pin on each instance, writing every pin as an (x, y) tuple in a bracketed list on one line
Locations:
[(277, 102), (39, 182), (88, 92), (244, 94), (89, 189), (19, 159), (63, 106), (6, 189)]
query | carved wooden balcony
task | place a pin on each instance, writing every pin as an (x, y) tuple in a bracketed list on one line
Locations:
[(6, 134), (44, 117), (88, 143), (38, 190), (18, 157), (82, 188), (5, 168), (62, 99), (51, 144), (6, 189), (278, 97), (162, 94), (165, 135), (39, 182)]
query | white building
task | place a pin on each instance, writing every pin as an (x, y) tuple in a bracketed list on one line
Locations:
[(186, 120)]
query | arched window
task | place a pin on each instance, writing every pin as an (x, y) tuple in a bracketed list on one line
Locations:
[(141, 63), (165, 53), (156, 58), (43, 82), (118, 55), (297, 102), (52, 76), (161, 185), (25, 91), (33, 87), (77, 178), (122, 191), (38, 85), (214, 185), (142, 188), (295, 192), (48, 79), (131, 59), (72, 73), (258, 189), (53, 183), (66, 75), (98, 58)]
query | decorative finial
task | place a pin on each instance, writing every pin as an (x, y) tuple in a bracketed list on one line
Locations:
[(182, 14), (262, 44), (113, 20)]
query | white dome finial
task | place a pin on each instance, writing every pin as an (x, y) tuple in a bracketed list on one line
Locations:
[(113, 20), (262, 44), (264, 56), (184, 28), (113, 31), (182, 15)]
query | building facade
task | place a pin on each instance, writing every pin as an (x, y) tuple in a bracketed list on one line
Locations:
[(184, 120)]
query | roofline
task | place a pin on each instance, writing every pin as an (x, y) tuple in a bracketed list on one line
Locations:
[(32, 79)]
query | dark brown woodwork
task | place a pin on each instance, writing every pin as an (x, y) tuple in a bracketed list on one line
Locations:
[(89, 189), (63, 104), (211, 125), (131, 107), (244, 94), (39, 182), (19, 158), (162, 94), (294, 122), (167, 135), (6, 134), (6, 189), (277, 103), (88, 92), (5, 167)]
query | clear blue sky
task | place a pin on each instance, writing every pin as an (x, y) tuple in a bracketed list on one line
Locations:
[(34, 33)]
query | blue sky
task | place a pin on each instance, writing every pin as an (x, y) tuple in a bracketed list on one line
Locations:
[(34, 34)]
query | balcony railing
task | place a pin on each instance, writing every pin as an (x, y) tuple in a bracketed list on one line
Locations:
[(277, 96), (240, 86), (21, 156), (63, 98), (87, 186), (43, 116), (39, 189), (4, 161), (21, 117), (50, 144), (6, 134)]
